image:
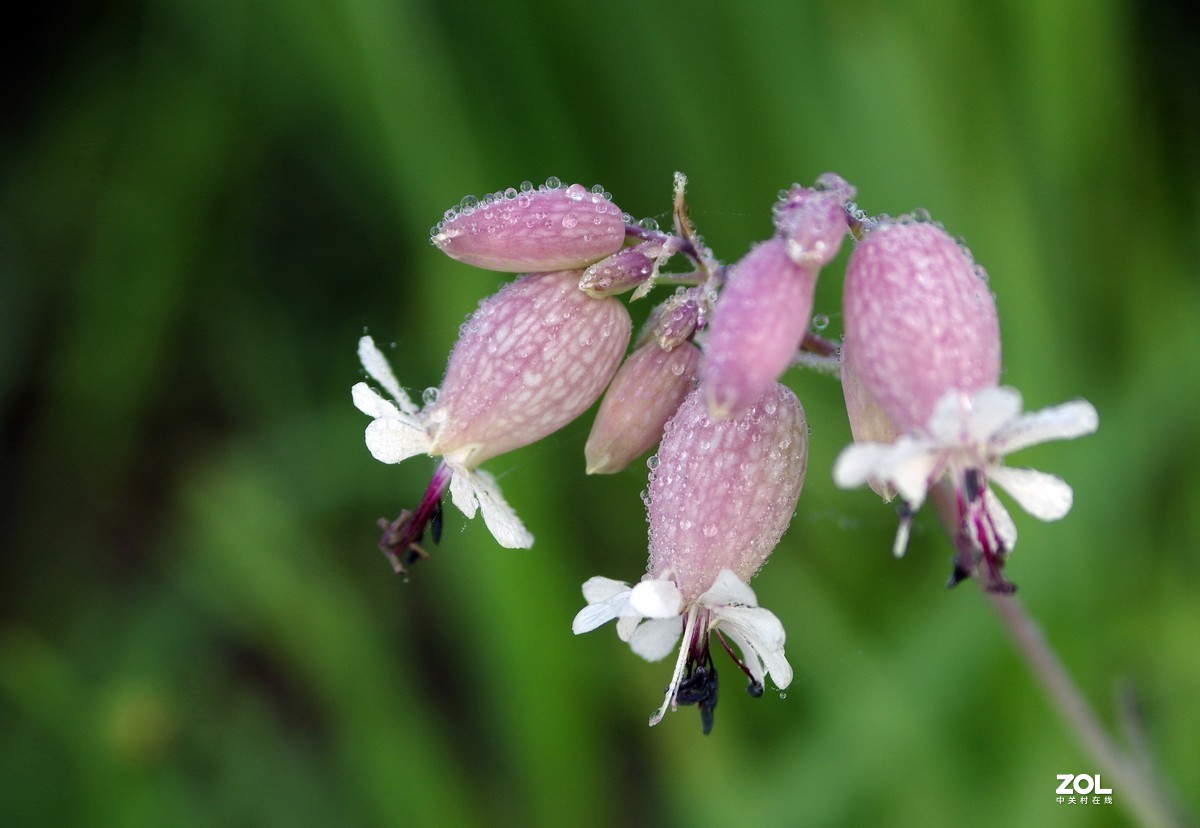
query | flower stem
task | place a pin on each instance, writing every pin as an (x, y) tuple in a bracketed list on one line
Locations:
[(1138, 789)]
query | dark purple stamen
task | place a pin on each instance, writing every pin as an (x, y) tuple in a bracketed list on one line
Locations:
[(401, 540), (756, 687), (977, 540)]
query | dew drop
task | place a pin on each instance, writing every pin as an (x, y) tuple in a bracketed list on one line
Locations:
[(510, 193), (820, 321), (570, 220), (709, 530), (527, 186), (469, 202), (648, 224), (429, 396), (652, 461), (553, 183)]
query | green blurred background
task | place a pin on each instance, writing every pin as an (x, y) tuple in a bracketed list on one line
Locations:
[(205, 205)]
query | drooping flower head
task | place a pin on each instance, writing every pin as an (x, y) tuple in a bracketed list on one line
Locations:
[(531, 359), (721, 494), (920, 366), (766, 303), (550, 227)]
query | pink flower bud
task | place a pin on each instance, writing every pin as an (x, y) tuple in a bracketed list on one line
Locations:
[(757, 326), (675, 320), (724, 491), (814, 220), (530, 360), (622, 271), (645, 392), (920, 321), (550, 228)]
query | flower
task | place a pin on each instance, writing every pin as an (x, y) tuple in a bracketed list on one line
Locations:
[(646, 390), (548, 228), (765, 307), (651, 615), (530, 360), (721, 494), (966, 440)]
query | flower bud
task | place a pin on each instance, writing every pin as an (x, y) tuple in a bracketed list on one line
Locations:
[(759, 321), (723, 491), (530, 360), (920, 321), (645, 392), (550, 228), (813, 221), (622, 271), (673, 321)]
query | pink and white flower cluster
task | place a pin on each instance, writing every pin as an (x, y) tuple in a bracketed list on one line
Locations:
[(920, 365)]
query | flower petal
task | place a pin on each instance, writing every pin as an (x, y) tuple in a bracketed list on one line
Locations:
[(728, 590), (1006, 530), (910, 467), (462, 491), (990, 410), (393, 439), (1044, 496), (599, 588), (376, 364), (500, 518), (758, 632), (858, 463), (656, 598), (1060, 422), (368, 401), (654, 639)]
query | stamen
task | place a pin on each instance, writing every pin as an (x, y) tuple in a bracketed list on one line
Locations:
[(401, 540), (756, 687), (689, 632)]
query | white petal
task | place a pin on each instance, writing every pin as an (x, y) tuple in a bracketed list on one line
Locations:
[(656, 598), (599, 588), (1044, 496), (368, 401), (654, 639), (627, 624), (607, 599), (592, 616), (910, 467), (392, 439), (1006, 530), (759, 634), (500, 518), (858, 463), (1060, 422), (947, 423), (749, 655), (689, 629), (728, 590), (376, 364), (991, 409), (462, 491)]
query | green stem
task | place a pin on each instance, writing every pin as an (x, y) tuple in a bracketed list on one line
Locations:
[(1138, 790)]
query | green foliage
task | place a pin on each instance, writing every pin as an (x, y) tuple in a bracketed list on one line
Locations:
[(204, 205)]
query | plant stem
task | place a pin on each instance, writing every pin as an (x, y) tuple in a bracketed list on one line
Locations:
[(1138, 790)]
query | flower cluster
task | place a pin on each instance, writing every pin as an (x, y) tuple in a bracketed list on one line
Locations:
[(919, 365)]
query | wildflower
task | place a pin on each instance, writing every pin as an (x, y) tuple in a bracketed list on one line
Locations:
[(646, 391), (544, 229), (965, 441), (721, 494), (920, 365), (766, 304), (531, 359)]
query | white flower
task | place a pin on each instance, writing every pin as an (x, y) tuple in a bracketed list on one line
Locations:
[(651, 615), (399, 430), (966, 439)]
